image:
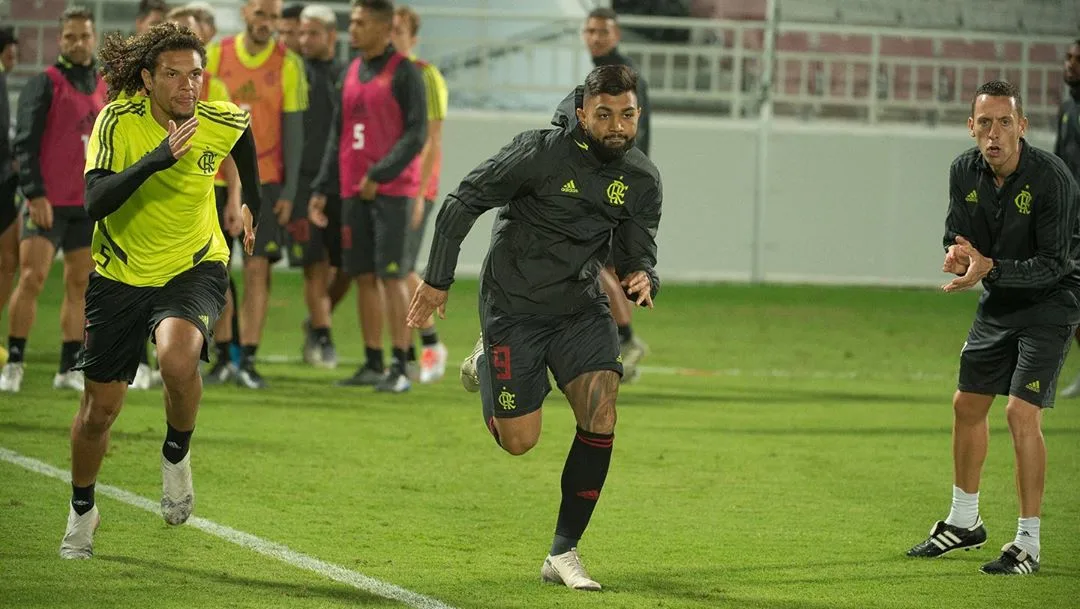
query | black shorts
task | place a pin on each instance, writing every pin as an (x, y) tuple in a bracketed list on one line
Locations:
[(415, 237), (8, 211), (72, 228), (269, 235), (519, 349), (1024, 362), (120, 318), (308, 243), (373, 236)]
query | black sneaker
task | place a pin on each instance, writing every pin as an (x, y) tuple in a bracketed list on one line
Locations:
[(1013, 561), (396, 381), (222, 372), (945, 538), (365, 375), (249, 378)]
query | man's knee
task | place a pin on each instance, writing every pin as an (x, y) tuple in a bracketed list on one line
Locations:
[(517, 443), (179, 344), (1024, 417), (971, 407), (32, 279), (592, 395), (100, 405)]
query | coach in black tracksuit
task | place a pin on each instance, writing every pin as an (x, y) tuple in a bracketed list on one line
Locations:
[(560, 193), (1012, 224)]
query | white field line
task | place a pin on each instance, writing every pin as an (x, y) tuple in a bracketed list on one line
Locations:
[(257, 544)]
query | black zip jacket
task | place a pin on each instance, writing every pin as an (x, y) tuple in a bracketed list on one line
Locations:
[(559, 206), (615, 58), (324, 94), (1029, 227), (1067, 145), (407, 86), (34, 102)]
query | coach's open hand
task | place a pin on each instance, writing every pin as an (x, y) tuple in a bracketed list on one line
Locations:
[(180, 136), (426, 301), (978, 267), (956, 261), (249, 230), (639, 287)]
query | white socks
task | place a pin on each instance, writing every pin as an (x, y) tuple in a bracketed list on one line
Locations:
[(1027, 536), (965, 510)]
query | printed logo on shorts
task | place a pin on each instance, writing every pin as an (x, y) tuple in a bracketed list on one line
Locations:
[(1032, 386), (507, 400), (205, 319), (392, 267)]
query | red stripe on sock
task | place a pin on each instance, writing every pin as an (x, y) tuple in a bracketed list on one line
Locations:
[(597, 442)]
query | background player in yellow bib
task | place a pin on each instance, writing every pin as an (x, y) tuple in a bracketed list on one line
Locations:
[(158, 252)]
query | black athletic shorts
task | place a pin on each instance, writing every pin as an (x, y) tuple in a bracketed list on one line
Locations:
[(120, 318), (373, 236), (269, 235), (8, 211), (415, 237), (72, 229), (1024, 362), (519, 349), (309, 243)]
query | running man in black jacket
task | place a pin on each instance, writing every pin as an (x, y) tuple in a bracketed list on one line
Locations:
[(602, 35), (1012, 224), (561, 193)]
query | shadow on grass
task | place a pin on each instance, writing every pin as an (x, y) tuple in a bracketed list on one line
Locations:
[(337, 592)]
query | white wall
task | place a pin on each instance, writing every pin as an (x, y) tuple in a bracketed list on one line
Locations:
[(843, 203)]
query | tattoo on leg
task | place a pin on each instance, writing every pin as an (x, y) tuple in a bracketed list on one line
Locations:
[(592, 396)]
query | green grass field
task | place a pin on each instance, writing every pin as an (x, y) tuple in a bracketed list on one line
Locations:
[(783, 450)]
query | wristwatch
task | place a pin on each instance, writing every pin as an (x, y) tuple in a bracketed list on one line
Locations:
[(994, 272)]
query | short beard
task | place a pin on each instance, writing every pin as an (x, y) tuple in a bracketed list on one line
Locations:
[(605, 153)]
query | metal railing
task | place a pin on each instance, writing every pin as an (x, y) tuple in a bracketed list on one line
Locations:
[(528, 61)]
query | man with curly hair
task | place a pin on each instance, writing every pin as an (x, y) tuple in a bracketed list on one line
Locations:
[(158, 252)]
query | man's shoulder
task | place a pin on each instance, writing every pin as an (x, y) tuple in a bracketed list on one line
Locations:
[(967, 161), (1051, 168), (223, 113), (125, 110), (642, 165)]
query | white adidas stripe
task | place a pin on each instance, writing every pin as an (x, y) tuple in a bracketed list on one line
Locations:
[(951, 537)]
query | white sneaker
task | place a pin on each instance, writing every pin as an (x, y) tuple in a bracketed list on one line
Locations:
[(632, 352), (177, 492), (470, 377), (72, 379), (433, 363), (566, 568), (79, 538), (142, 378), (11, 377)]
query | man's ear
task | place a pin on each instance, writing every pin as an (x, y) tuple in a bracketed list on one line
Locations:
[(147, 78), (580, 115)]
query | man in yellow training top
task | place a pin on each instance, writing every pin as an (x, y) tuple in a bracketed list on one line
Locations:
[(158, 252)]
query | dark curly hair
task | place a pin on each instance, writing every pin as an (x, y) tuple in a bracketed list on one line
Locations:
[(124, 58)]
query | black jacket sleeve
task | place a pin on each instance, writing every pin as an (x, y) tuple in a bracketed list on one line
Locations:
[(1055, 216), (957, 219), (644, 123), (107, 191), (634, 240), (34, 102), (247, 165), (327, 182), (408, 89), (494, 183)]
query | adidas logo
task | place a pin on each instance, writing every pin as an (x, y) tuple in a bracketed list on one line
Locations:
[(570, 187), (1032, 386), (973, 197), (205, 319)]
